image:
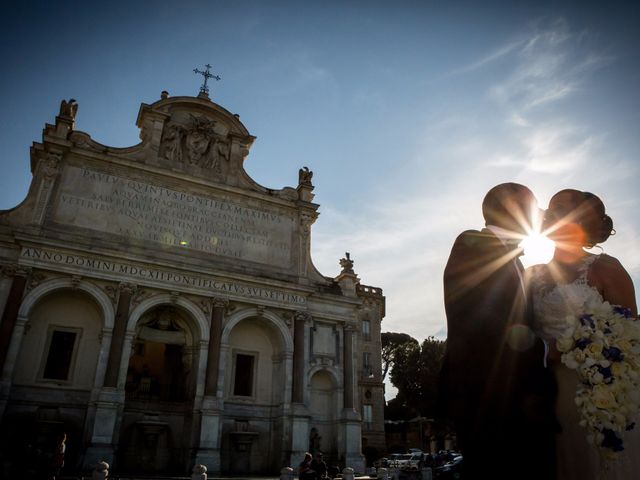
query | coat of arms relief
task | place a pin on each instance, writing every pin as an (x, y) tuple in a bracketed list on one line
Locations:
[(196, 144)]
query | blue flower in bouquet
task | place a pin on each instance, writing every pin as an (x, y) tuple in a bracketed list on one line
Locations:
[(582, 343), (606, 373), (613, 354), (604, 350), (612, 440), (587, 320), (625, 312)]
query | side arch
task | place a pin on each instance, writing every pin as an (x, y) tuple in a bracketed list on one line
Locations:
[(331, 370), (105, 303), (275, 321)]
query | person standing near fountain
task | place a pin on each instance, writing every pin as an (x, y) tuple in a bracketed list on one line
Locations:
[(319, 466), (304, 469), (57, 458)]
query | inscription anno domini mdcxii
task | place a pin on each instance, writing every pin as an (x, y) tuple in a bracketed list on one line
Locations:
[(143, 211)]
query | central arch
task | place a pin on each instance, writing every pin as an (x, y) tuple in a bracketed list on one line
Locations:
[(161, 371), (255, 365)]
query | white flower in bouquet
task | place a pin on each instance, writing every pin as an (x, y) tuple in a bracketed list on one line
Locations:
[(604, 349)]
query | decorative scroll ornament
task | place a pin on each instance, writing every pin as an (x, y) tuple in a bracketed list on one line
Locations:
[(51, 166), (36, 279), (306, 220), (139, 296)]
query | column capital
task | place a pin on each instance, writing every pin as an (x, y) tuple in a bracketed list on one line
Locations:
[(219, 302), (127, 287), (302, 315), (349, 327), (15, 270)]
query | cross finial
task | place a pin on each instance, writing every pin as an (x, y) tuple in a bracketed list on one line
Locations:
[(204, 89)]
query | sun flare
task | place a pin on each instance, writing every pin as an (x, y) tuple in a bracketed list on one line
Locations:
[(537, 249)]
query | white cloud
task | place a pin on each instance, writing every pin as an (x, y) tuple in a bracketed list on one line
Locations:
[(547, 68), (402, 244), (400, 240)]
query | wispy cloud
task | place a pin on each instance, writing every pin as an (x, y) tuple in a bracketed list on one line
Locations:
[(401, 241), (547, 68), (490, 58)]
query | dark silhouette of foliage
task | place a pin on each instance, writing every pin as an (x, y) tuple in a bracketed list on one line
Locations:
[(390, 342), (414, 372)]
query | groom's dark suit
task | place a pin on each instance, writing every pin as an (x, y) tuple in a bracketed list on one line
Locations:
[(493, 383)]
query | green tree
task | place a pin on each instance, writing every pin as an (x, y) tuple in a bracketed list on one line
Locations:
[(391, 341), (415, 372)]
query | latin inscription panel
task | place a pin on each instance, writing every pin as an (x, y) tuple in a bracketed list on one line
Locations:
[(141, 211)]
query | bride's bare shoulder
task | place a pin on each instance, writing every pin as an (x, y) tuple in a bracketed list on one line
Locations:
[(613, 281), (606, 265)]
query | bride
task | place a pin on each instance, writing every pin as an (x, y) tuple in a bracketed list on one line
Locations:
[(561, 291)]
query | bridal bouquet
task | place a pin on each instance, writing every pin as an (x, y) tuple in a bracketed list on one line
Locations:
[(604, 349)]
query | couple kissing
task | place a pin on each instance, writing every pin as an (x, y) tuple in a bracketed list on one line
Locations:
[(540, 376)]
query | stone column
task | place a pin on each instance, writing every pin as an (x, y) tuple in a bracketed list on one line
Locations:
[(351, 420), (348, 367), (208, 452), (300, 414), (117, 339), (300, 321), (213, 357), (11, 309), (110, 399)]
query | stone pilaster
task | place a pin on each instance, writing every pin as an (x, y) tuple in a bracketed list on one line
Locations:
[(48, 170), (208, 452), (110, 399), (117, 340), (351, 422), (219, 306), (349, 383), (299, 355), (300, 414), (11, 309)]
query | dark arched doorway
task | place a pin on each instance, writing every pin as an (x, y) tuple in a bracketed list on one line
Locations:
[(160, 387)]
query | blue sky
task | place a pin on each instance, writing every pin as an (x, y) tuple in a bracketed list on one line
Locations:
[(407, 112)]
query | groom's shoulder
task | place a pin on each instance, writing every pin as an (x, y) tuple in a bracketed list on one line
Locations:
[(471, 239)]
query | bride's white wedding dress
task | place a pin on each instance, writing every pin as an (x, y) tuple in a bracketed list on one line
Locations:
[(557, 307)]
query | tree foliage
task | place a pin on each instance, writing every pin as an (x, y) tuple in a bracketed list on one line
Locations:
[(414, 372), (391, 341)]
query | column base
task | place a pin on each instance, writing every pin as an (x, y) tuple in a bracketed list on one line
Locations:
[(352, 432), (208, 453), (5, 391), (210, 458), (299, 433), (97, 453)]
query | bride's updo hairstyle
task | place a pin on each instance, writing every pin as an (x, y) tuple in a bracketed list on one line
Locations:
[(597, 225)]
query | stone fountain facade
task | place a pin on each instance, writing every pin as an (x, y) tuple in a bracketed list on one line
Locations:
[(162, 308)]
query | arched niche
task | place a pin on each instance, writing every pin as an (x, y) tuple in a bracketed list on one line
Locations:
[(256, 352), (62, 339), (323, 406)]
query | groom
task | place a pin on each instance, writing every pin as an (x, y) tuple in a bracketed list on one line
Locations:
[(494, 385)]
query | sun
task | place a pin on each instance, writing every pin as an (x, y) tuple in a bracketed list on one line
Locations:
[(537, 249)]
